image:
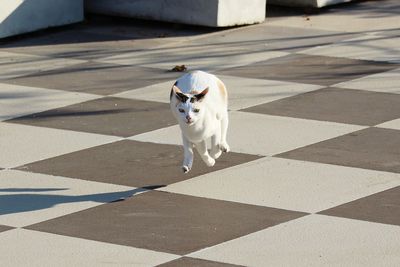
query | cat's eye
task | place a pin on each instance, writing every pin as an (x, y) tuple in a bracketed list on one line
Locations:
[(181, 110), (196, 110)]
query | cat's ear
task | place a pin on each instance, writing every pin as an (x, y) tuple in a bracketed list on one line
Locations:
[(179, 95), (201, 95)]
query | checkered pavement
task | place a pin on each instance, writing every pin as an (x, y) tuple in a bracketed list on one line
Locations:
[(90, 153)]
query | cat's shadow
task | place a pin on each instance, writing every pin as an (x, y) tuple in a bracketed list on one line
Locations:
[(31, 199)]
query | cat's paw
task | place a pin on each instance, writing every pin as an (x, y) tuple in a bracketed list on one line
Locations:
[(224, 147), (185, 169), (210, 161), (215, 153)]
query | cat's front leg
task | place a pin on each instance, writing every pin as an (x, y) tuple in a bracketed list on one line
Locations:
[(224, 129), (187, 155), (202, 149), (215, 151)]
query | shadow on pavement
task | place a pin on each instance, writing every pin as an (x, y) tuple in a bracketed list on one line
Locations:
[(26, 202)]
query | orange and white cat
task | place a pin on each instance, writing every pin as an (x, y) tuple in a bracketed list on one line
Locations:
[(199, 101)]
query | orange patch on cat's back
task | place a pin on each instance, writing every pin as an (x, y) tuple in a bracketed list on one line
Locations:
[(222, 89)]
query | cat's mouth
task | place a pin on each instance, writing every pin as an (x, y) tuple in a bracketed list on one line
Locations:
[(189, 122)]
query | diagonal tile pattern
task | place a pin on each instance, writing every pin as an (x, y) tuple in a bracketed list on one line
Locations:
[(28, 198), (109, 116), (4, 228), (19, 148), (96, 78), (186, 261), (359, 149), (194, 57), (336, 105), (385, 82), (17, 65), (275, 38), (311, 69), (90, 153), (167, 222), (312, 240), (270, 135), (382, 207), (243, 92), (17, 101), (287, 184), (372, 46), (131, 163), (43, 249), (394, 124)]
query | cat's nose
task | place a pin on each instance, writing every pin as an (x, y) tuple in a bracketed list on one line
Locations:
[(188, 117)]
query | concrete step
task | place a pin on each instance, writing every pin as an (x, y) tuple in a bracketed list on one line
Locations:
[(307, 3), (214, 13)]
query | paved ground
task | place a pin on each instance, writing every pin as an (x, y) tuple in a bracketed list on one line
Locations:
[(90, 154)]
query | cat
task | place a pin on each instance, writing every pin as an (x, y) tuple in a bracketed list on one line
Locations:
[(199, 101)]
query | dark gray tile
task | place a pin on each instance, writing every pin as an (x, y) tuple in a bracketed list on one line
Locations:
[(96, 78), (167, 222), (5, 228), (55, 37), (131, 163), (69, 44), (109, 116), (84, 51), (309, 69), (336, 105), (140, 29), (100, 37), (372, 148), (186, 261), (383, 207)]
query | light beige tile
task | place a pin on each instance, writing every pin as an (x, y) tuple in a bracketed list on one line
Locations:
[(197, 57), (242, 92), (28, 198), (14, 65), (367, 47), (23, 144), (314, 240), (16, 100), (262, 134), (385, 82), (394, 124), (157, 92), (31, 248), (288, 184)]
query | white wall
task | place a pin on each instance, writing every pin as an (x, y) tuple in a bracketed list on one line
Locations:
[(21, 16)]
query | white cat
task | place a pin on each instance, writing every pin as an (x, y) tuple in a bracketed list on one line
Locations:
[(199, 101)]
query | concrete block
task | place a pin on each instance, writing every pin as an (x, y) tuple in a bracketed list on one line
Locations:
[(214, 13), (21, 16), (307, 3)]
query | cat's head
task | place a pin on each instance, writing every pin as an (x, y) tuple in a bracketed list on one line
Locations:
[(189, 107)]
